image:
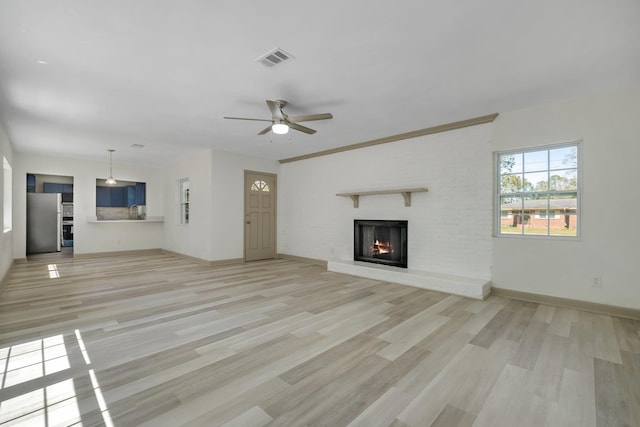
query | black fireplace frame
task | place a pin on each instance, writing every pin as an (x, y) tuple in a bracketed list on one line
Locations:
[(402, 262)]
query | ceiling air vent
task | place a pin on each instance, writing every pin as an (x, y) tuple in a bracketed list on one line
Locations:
[(275, 57)]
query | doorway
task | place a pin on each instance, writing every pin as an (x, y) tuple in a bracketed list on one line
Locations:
[(259, 215), (49, 214)]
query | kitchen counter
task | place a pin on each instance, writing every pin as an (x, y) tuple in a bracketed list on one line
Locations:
[(95, 220)]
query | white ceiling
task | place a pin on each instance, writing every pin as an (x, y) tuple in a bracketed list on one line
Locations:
[(80, 76)]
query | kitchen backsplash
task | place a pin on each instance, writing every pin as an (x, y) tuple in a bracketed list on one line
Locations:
[(112, 213)]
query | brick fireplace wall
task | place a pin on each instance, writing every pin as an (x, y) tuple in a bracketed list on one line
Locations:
[(450, 226)]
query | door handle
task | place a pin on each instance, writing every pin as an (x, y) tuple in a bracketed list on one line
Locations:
[(248, 222)]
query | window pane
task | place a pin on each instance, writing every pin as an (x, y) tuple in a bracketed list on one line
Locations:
[(511, 183), (564, 225), (184, 200), (536, 161), (564, 221), (511, 163), (510, 215), (564, 180), (536, 181), (535, 215), (563, 158), (544, 214)]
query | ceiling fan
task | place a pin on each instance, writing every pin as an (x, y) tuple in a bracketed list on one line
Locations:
[(281, 122)]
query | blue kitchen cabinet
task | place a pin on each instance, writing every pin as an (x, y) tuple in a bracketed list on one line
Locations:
[(52, 187), (131, 195), (103, 197), (141, 193), (31, 183), (119, 197)]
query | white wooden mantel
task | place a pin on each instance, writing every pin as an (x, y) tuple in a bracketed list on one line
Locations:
[(405, 192)]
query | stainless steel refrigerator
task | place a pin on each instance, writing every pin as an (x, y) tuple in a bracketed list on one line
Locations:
[(44, 222)]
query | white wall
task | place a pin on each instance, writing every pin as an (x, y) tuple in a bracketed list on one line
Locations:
[(6, 239), (90, 238), (449, 228), (609, 126), (189, 239), (216, 204), (228, 201)]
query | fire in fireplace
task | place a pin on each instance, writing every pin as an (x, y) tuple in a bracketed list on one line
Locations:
[(380, 242)]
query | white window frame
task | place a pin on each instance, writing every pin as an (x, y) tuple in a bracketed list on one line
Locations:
[(497, 193), (7, 196), (507, 215), (183, 200)]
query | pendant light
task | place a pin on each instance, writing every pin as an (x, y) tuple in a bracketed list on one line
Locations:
[(110, 180)]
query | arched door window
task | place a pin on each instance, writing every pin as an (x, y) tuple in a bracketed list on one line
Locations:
[(260, 186)]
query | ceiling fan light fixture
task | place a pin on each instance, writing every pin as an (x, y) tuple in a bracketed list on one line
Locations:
[(280, 128)]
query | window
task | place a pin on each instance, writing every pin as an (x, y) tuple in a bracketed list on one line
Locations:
[(538, 191), (544, 214), (7, 206), (123, 200), (260, 186), (183, 188)]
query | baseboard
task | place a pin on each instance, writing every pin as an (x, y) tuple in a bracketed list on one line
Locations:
[(223, 262), (215, 263), (611, 310), (187, 257), (305, 260), (118, 253)]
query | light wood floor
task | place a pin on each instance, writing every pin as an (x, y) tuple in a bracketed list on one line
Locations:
[(159, 341)]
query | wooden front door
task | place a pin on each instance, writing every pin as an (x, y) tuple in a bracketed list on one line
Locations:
[(260, 216)]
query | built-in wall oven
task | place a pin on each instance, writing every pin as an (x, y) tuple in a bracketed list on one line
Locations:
[(67, 224)]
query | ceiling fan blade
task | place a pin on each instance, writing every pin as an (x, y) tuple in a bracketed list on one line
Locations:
[(265, 130), (246, 118), (311, 117), (275, 110), (301, 128)]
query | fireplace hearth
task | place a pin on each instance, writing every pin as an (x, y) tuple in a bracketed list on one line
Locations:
[(380, 242)]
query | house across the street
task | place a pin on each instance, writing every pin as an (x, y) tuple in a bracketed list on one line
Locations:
[(557, 213)]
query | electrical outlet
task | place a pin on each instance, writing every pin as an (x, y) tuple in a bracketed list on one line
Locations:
[(597, 282)]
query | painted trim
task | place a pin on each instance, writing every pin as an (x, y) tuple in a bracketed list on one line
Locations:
[(187, 257), (398, 137), (611, 310), (225, 262), (215, 263), (305, 260), (118, 253)]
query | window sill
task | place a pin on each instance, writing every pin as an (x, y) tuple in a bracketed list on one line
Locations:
[(156, 219)]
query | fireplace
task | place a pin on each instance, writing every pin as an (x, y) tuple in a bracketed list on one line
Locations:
[(380, 242)]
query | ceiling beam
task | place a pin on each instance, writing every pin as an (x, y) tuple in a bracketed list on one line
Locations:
[(399, 137)]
